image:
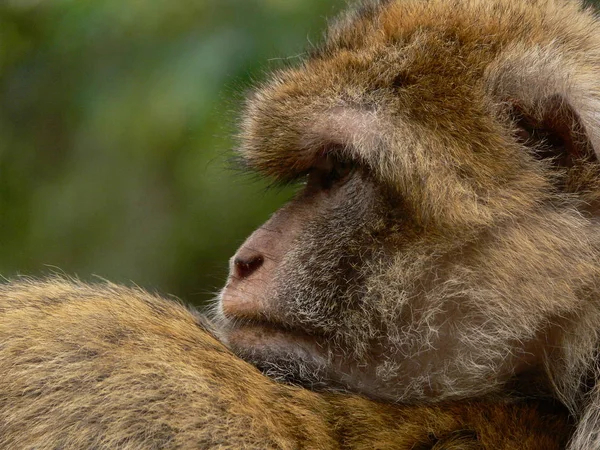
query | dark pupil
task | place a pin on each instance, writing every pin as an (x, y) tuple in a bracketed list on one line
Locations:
[(327, 172), (340, 170), (337, 172)]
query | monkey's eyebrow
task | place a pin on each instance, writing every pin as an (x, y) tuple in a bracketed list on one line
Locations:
[(279, 178), (288, 167)]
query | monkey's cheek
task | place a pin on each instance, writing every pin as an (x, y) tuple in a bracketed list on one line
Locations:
[(266, 342)]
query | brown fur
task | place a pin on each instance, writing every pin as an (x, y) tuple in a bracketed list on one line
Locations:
[(446, 242), (108, 367)]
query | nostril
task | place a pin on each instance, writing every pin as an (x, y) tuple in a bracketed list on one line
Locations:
[(244, 267)]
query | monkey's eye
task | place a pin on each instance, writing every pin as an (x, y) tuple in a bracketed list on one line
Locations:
[(328, 171)]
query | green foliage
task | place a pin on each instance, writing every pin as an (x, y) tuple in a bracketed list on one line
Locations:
[(115, 125)]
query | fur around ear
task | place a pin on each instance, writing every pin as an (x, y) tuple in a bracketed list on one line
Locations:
[(551, 93), (553, 96)]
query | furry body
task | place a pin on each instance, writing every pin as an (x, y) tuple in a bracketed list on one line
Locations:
[(108, 367)]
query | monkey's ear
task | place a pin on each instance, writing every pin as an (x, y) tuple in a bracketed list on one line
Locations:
[(553, 131), (554, 102)]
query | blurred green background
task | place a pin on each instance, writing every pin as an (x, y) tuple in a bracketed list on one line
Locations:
[(115, 132), (115, 125)]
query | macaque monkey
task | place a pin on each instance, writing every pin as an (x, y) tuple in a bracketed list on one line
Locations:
[(109, 367), (443, 251), (445, 241)]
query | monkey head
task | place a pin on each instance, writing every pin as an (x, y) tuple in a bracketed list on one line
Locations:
[(444, 239)]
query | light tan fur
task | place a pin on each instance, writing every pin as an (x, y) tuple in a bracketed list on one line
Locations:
[(108, 367)]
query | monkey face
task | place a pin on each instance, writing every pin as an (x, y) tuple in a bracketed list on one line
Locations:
[(445, 234)]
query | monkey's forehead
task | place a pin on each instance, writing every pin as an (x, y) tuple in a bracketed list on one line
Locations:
[(480, 22), (397, 77)]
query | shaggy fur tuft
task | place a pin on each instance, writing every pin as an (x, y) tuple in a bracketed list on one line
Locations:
[(109, 367)]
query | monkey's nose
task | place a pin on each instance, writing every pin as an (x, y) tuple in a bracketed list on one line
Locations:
[(242, 297), (245, 265)]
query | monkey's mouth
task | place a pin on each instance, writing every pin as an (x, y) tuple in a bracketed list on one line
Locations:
[(260, 337), (296, 356)]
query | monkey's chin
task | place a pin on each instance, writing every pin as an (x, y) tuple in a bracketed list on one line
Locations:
[(286, 355)]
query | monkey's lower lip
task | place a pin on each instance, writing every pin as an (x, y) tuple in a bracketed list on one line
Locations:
[(258, 335)]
